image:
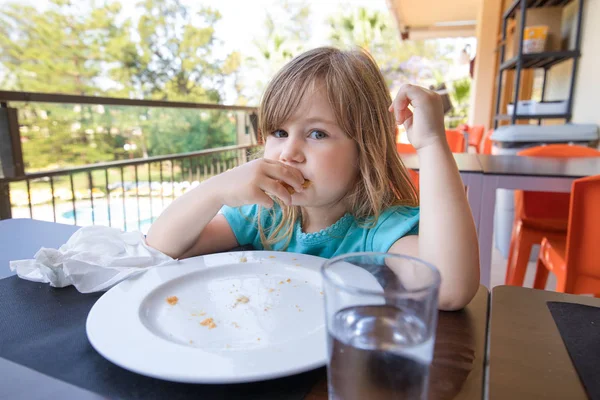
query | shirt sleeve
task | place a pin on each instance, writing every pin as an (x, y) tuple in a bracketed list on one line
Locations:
[(243, 223), (392, 225)]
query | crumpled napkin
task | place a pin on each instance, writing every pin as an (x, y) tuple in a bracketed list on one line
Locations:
[(94, 258)]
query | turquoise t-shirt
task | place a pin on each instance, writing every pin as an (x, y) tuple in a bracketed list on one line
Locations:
[(344, 236)]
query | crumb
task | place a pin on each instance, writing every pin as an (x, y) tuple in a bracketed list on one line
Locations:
[(172, 300), (298, 265), (295, 285), (235, 324), (202, 314), (258, 339), (243, 259), (321, 292), (288, 280), (271, 290), (281, 282), (294, 259), (241, 300), (191, 342), (272, 257), (299, 310), (209, 322), (266, 309)]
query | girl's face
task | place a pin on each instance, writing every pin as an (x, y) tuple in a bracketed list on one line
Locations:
[(312, 142)]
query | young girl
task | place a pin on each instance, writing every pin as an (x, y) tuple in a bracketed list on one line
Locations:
[(331, 181)]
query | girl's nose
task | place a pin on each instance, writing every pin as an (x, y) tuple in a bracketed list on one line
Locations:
[(292, 151)]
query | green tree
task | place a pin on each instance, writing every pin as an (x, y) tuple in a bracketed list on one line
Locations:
[(399, 61), (286, 32), (90, 49)]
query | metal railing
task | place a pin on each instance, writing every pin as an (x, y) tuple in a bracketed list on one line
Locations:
[(126, 193)]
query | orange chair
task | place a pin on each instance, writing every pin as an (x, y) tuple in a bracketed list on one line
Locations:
[(486, 143), (539, 214), (404, 148), (456, 141), (575, 260), (475, 136)]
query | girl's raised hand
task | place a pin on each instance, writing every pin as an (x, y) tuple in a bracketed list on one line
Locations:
[(425, 123), (249, 183)]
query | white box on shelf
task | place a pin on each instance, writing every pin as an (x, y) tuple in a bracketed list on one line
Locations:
[(550, 107), (530, 107), (524, 107)]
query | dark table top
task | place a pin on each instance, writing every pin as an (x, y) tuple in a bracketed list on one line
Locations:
[(528, 358), (464, 161), (540, 166), (457, 370)]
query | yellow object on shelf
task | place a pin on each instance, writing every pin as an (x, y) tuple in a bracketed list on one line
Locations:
[(534, 40)]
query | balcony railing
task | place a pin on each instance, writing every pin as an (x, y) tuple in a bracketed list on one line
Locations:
[(128, 194)]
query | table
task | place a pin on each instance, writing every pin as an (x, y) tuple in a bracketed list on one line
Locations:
[(457, 370), (527, 356), (524, 173)]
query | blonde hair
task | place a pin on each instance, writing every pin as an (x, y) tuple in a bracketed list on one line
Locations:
[(359, 98)]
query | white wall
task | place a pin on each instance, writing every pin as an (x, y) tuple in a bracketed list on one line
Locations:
[(586, 98)]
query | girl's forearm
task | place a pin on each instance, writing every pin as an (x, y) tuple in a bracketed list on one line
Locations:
[(178, 228), (447, 235)]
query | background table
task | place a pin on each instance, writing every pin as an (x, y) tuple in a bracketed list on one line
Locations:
[(457, 370), (528, 359)]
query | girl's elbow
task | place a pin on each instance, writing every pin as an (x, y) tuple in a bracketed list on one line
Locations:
[(453, 300)]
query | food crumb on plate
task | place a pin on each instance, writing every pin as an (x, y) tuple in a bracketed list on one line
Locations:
[(272, 257), (209, 322), (288, 280), (243, 259), (281, 282), (172, 300), (258, 339), (191, 342), (271, 290), (235, 324), (241, 300)]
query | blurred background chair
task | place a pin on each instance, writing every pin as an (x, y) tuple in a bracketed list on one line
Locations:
[(575, 259), (539, 214), (456, 140)]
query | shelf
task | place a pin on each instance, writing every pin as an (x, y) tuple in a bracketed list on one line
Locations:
[(540, 60), (534, 4), (504, 117)]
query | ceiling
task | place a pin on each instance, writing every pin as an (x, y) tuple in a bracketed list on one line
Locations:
[(422, 19)]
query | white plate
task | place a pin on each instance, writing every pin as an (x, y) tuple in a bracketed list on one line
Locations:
[(279, 331)]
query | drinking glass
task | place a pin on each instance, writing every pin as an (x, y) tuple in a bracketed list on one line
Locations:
[(381, 311)]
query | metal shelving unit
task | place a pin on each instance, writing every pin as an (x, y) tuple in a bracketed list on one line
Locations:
[(544, 60)]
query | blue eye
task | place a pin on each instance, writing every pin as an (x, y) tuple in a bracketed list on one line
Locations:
[(317, 135), (279, 134)]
